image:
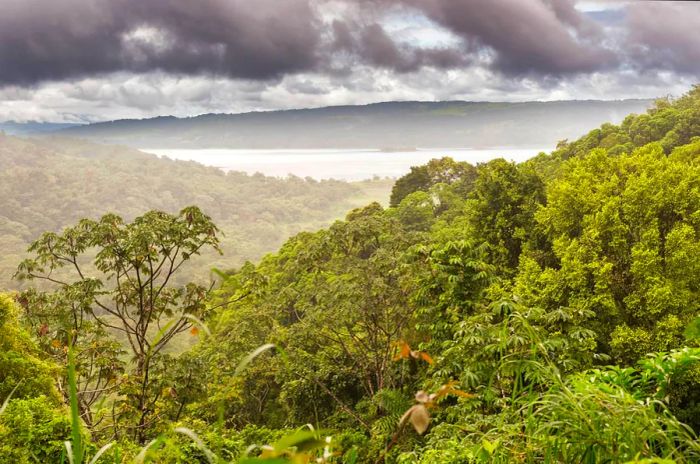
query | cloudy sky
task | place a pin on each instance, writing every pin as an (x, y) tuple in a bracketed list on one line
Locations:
[(90, 60)]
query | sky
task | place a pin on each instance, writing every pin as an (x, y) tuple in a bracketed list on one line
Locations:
[(95, 60)]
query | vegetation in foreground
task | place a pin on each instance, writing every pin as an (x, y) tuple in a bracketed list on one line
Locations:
[(539, 312)]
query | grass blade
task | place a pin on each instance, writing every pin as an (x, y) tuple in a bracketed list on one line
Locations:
[(142, 455), (198, 441), (9, 397), (76, 456), (102, 451), (254, 354), (197, 321), (69, 451)]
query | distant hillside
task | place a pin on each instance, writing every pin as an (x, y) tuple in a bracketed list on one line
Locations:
[(381, 125), (47, 184), (30, 128)]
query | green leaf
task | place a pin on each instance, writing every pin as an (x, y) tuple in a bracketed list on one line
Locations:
[(302, 440), (489, 446), (264, 461)]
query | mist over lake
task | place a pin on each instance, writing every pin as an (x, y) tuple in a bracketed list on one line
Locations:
[(337, 164)]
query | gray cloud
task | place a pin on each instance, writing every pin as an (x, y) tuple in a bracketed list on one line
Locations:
[(371, 44), (53, 40), (664, 36), (547, 37)]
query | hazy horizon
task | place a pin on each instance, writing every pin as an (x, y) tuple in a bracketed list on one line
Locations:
[(302, 108)]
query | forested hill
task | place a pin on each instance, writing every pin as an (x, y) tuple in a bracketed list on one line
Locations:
[(383, 126), (541, 312), (46, 184), (538, 312)]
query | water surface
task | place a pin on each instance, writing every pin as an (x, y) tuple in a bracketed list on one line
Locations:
[(336, 164)]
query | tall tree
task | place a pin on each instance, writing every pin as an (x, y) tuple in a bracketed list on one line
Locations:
[(120, 277), (502, 208)]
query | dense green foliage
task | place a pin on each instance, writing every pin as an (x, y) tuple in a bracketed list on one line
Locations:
[(49, 184), (34, 424), (538, 312)]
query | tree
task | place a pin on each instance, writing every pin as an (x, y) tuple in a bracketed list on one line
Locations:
[(337, 301), (120, 277), (416, 180), (416, 211), (502, 208), (625, 233), (437, 171)]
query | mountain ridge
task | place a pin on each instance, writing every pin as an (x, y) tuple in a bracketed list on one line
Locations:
[(349, 106), (376, 125)]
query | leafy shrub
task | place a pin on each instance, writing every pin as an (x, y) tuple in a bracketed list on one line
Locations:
[(33, 431)]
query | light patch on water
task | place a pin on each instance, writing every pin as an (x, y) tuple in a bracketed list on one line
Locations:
[(348, 165)]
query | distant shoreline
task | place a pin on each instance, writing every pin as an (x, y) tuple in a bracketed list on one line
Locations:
[(339, 164), (343, 150)]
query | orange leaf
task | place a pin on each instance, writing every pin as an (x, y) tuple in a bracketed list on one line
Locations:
[(463, 394), (448, 389), (404, 351), (194, 330)]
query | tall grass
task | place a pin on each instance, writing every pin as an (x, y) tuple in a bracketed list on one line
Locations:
[(75, 446), (589, 417), (297, 447), (590, 422)]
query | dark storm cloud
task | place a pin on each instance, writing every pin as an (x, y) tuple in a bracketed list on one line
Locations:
[(48, 39), (63, 40), (56, 40)]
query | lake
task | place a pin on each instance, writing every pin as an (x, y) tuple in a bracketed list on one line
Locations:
[(336, 164)]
